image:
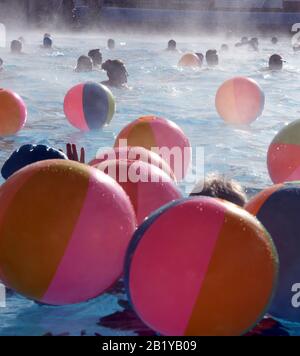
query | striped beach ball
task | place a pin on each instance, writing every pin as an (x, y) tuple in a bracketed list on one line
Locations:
[(13, 113), (284, 154), (147, 186), (278, 210), (161, 136), (201, 267), (89, 106), (240, 101), (190, 60), (64, 231)]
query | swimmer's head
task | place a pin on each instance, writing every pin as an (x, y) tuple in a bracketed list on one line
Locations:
[(218, 186), (96, 57), (111, 44), (212, 58), (224, 48), (276, 62), (47, 35), (274, 40), (172, 45), (116, 72), (244, 40), (16, 46), (47, 42), (84, 64), (254, 40)]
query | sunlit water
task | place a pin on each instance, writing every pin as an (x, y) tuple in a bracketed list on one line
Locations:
[(158, 87)]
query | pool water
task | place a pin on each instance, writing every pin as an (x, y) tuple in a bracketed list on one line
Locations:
[(158, 87)]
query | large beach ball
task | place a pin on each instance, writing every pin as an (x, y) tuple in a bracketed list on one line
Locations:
[(13, 113), (89, 106), (133, 154), (284, 154), (190, 60), (163, 137), (240, 101), (147, 186), (278, 209), (64, 231), (201, 267)]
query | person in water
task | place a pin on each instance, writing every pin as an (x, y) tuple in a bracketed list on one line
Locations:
[(84, 64), (274, 40), (96, 57), (212, 58), (116, 72), (276, 62), (224, 47), (172, 46), (16, 47), (1, 64), (218, 186), (254, 44), (47, 42), (111, 44), (244, 42)]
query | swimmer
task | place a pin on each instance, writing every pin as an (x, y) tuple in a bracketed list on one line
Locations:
[(96, 57), (16, 47), (244, 41), (224, 48), (1, 64), (47, 42), (172, 46), (84, 64), (218, 186), (111, 44), (212, 58), (276, 62), (274, 40), (116, 72), (254, 44), (47, 35)]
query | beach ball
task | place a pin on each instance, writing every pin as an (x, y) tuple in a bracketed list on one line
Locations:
[(284, 154), (201, 267), (189, 60), (89, 106), (28, 154), (240, 101), (278, 209), (147, 186), (64, 231), (161, 136), (13, 113), (133, 154)]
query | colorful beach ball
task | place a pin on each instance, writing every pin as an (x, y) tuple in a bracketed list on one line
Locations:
[(284, 154), (89, 106), (189, 60), (278, 209), (163, 137), (13, 113), (64, 231), (147, 186), (133, 154), (240, 101), (201, 267)]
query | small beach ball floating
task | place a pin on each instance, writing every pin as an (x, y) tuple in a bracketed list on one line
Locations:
[(89, 106), (189, 60), (284, 154), (13, 113), (64, 231), (201, 267), (133, 154), (147, 186), (161, 136), (278, 210), (240, 101)]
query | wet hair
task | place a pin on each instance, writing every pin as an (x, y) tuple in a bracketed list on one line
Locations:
[(212, 57), (84, 64), (274, 40), (116, 72), (47, 35), (47, 42), (172, 45), (96, 56), (111, 44), (275, 62), (110, 65), (16, 46), (224, 47), (218, 186)]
